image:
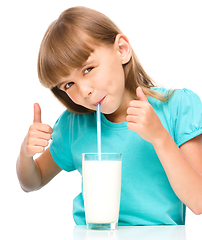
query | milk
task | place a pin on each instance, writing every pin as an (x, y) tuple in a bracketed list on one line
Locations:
[(101, 187)]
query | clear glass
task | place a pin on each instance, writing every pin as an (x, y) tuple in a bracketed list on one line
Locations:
[(101, 189)]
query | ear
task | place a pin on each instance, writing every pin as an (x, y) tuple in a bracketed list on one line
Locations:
[(124, 48)]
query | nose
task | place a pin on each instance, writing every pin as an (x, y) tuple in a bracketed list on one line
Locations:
[(85, 90)]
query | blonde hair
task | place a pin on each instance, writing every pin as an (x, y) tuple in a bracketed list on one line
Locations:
[(68, 43)]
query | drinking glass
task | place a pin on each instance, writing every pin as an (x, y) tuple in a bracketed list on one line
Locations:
[(101, 189)]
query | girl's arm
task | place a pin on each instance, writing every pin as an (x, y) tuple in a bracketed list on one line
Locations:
[(32, 174), (183, 165)]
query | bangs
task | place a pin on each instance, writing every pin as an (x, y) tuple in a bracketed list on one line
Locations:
[(64, 47)]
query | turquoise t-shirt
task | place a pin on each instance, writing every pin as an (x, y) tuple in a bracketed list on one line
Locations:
[(147, 197)]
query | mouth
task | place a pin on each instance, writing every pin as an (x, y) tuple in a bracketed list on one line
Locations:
[(101, 101)]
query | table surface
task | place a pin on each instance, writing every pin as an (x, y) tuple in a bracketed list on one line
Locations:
[(56, 229), (138, 233)]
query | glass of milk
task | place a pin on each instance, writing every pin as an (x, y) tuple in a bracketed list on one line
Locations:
[(101, 189)]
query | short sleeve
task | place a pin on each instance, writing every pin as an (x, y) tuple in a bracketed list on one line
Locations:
[(187, 107), (60, 145)]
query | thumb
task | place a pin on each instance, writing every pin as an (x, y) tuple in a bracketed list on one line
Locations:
[(37, 113), (141, 96)]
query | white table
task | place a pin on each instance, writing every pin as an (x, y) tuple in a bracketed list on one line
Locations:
[(137, 233)]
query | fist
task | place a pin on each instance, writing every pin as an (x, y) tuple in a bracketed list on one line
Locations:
[(143, 119), (38, 135)]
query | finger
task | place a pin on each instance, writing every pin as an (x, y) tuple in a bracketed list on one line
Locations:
[(137, 104), (41, 127), (134, 111), (37, 113), (41, 143), (32, 150), (38, 149), (132, 119), (141, 96), (37, 143), (40, 135), (132, 126)]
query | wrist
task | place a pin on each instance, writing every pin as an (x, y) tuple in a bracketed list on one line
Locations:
[(24, 157), (162, 140), (23, 154)]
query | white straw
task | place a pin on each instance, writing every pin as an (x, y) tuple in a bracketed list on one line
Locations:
[(99, 131)]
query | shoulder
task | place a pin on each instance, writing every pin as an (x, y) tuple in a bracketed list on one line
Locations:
[(178, 92), (182, 102), (62, 120), (183, 112), (65, 115), (185, 100), (185, 96), (185, 93), (68, 119)]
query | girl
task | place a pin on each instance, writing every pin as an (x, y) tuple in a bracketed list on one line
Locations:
[(85, 59)]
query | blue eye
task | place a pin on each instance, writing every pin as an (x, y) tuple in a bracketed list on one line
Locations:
[(87, 70), (68, 85)]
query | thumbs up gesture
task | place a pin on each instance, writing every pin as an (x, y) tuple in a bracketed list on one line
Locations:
[(143, 119), (38, 135)]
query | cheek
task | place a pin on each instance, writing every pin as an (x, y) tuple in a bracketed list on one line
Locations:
[(117, 74), (113, 78), (117, 81), (73, 96), (100, 80)]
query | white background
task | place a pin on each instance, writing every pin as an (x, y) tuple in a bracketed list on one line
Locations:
[(166, 36)]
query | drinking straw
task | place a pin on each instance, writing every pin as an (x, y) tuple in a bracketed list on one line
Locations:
[(99, 131)]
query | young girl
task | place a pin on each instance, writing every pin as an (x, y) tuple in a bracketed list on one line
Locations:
[(85, 59)]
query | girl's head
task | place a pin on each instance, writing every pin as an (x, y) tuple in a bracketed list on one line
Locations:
[(68, 44)]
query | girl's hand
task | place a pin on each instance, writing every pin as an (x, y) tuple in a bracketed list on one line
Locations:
[(143, 119), (38, 135)]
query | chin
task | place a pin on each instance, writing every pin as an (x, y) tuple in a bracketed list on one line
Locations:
[(108, 111)]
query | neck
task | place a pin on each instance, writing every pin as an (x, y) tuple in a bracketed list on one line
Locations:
[(116, 118)]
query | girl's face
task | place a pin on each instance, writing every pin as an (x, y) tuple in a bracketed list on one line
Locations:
[(100, 80)]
